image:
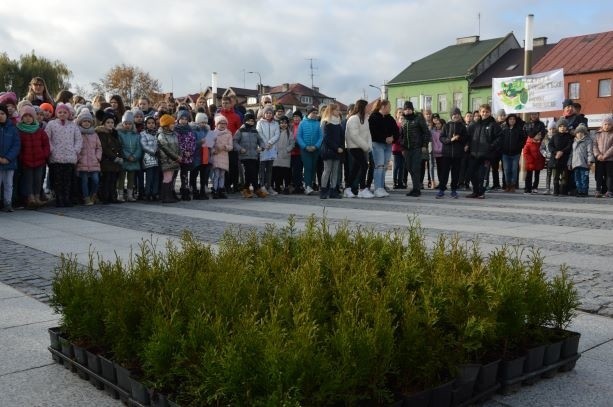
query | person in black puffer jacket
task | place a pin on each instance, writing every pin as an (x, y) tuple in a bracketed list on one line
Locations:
[(560, 145), (482, 145), (454, 137), (511, 144), (416, 136)]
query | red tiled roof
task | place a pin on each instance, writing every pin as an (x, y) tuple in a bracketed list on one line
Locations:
[(585, 53), (299, 89), (289, 99)]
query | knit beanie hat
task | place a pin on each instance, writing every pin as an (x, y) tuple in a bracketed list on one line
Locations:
[(27, 109), (551, 125), (562, 122), (297, 113), (8, 98), (249, 116), (48, 107), (608, 120), (166, 120), (582, 129), (137, 112), (84, 114), (220, 118), (182, 113), (63, 106), (128, 117), (267, 109), (201, 118)]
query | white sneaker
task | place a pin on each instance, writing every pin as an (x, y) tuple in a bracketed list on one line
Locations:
[(348, 194), (120, 196), (308, 190), (380, 193), (366, 194), (271, 191)]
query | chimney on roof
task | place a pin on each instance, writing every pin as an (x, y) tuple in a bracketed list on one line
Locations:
[(539, 41), (285, 87), (316, 88), (467, 40)]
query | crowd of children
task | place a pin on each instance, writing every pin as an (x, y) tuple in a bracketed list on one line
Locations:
[(104, 152)]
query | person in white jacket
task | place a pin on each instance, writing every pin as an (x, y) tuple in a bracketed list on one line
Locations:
[(268, 128), (359, 144)]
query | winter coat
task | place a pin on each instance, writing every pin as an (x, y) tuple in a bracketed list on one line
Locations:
[(310, 134), (382, 127), (582, 154), (560, 142), (415, 133), (533, 128), (223, 143), (168, 146), (248, 138), (437, 144), (111, 149), (35, 148), (533, 159), (200, 143), (285, 145), (10, 145), (357, 134), (130, 147), (454, 148), (333, 140), (483, 138), (603, 146), (91, 153), (545, 151), (65, 141), (294, 130), (512, 140), (149, 144), (187, 144), (269, 131), (234, 120)]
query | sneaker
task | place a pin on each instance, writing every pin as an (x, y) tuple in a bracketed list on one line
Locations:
[(608, 195), (440, 194), (365, 194), (535, 191), (380, 193), (547, 192), (598, 195), (88, 201), (272, 192), (348, 194), (308, 190), (482, 196), (454, 194)]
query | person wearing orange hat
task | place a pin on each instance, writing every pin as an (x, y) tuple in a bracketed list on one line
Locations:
[(168, 145)]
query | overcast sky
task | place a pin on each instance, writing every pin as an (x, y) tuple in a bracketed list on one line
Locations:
[(352, 43)]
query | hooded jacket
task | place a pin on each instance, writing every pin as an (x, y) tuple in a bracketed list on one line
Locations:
[(248, 138), (582, 154), (333, 140), (91, 153), (454, 148), (149, 144), (168, 146), (513, 139), (111, 149), (309, 134), (483, 138), (533, 159), (603, 145), (130, 146), (9, 145), (560, 142), (415, 132), (65, 141)]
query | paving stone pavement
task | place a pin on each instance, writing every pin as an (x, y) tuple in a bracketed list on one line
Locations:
[(575, 231)]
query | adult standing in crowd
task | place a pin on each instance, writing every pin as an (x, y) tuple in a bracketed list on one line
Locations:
[(359, 144), (453, 137), (309, 137), (38, 92), (384, 132), (483, 139), (416, 136)]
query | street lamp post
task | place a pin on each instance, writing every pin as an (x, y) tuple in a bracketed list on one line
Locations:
[(380, 91), (259, 84)]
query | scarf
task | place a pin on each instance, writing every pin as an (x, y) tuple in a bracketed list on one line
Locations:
[(183, 128), (90, 130), (28, 128), (334, 120)]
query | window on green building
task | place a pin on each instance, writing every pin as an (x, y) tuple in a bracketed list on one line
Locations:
[(442, 103)]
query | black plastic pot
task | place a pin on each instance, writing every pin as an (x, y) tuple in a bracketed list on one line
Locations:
[(552, 353), (123, 379), (157, 399), (488, 376), (570, 346), (81, 358), (54, 336), (108, 373), (511, 369), (420, 399), (534, 358), (441, 395), (68, 351), (93, 364), (139, 391), (172, 403), (465, 382)]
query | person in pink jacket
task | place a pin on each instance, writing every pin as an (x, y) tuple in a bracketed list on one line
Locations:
[(65, 140), (221, 159), (88, 165), (603, 154)]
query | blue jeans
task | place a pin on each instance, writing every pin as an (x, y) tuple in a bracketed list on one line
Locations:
[(152, 176), (581, 176), (309, 161), (510, 165), (381, 153), (398, 171), (89, 178)]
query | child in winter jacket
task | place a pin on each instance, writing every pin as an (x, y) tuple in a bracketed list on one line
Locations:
[(187, 146), (332, 149), (221, 160), (65, 140), (546, 153), (580, 159), (201, 164), (9, 151), (534, 163), (169, 156), (603, 154), (88, 164), (560, 145), (111, 162), (248, 143), (33, 157), (149, 143), (132, 154), (269, 131), (281, 166)]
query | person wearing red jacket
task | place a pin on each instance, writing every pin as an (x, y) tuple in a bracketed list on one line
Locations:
[(33, 157), (534, 162)]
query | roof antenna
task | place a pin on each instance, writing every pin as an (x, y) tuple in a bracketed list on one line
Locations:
[(479, 22)]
